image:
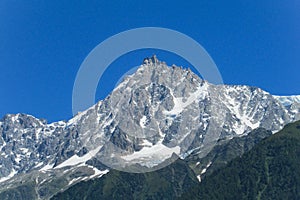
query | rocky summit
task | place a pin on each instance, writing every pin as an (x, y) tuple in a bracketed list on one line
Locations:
[(151, 115)]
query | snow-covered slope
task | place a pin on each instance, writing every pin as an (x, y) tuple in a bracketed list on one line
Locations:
[(292, 104), (288, 100), (157, 111)]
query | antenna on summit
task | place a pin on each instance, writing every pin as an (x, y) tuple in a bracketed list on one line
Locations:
[(151, 61), (154, 59)]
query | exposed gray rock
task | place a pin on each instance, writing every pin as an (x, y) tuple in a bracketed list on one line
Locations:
[(158, 107)]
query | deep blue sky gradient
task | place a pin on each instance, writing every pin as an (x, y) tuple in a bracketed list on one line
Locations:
[(43, 43)]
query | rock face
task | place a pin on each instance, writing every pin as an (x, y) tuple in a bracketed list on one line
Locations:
[(155, 112)]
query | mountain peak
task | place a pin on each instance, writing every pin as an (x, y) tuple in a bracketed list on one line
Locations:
[(180, 80), (151, 60), (155, 112)]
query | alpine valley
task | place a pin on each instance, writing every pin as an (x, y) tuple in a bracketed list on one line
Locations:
[(162, 133)]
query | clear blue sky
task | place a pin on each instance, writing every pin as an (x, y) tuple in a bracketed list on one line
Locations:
[(43, 43)]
